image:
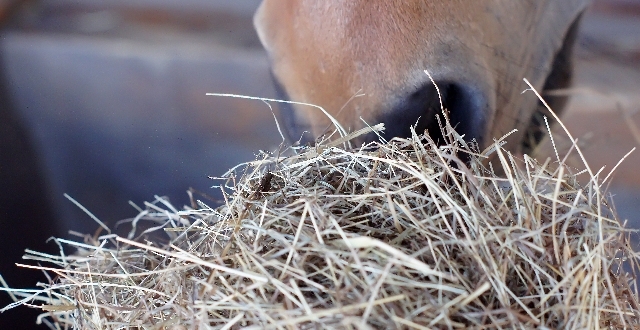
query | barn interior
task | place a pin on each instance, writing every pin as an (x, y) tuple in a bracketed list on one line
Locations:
[(105, 101)]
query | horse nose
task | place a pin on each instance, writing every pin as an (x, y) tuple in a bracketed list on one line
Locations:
[(466, 107)]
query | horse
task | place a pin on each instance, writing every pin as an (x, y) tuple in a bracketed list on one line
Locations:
[(401, 62)]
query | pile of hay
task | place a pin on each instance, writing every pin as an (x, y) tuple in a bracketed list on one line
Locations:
[(390, 235)]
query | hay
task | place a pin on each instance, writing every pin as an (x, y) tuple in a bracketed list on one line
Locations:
[(398, 234)]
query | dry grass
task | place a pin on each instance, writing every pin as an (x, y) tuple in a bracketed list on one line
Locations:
[(390, 235)]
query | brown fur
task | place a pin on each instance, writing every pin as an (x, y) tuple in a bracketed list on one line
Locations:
[(325, 52)]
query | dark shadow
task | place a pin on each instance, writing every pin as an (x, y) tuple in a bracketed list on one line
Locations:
[(26, 216)]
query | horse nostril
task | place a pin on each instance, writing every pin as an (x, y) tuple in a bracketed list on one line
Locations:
[(466, 106), (418, 108), (468, 111)]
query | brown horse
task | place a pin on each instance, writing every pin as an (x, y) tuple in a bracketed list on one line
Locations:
[(365, 61)]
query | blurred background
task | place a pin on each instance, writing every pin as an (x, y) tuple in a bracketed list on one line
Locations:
[(105, 100)]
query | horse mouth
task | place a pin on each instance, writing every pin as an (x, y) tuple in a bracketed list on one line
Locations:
[(422, 109)]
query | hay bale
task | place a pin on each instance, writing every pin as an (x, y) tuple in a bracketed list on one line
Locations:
[(388, 235)]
